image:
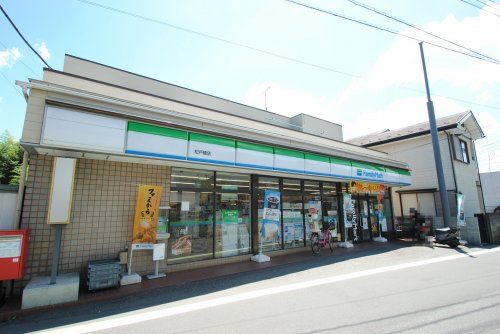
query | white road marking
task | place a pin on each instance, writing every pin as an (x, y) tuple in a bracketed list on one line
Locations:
[(151, 314)]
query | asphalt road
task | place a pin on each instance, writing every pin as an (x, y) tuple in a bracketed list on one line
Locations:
[(395, 290)]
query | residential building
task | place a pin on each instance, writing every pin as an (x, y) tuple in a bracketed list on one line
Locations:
[(457, 135), (491, 191)]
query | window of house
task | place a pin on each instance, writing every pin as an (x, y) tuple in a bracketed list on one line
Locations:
[(465, 152)]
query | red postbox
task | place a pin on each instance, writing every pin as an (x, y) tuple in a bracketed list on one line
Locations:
[(13, 254)]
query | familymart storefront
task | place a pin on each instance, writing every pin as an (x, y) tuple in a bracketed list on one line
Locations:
[(218, 189)]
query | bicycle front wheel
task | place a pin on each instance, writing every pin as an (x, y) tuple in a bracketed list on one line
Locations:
[(315, 246)]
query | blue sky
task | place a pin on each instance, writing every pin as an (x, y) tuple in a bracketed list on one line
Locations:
[(388, 64)]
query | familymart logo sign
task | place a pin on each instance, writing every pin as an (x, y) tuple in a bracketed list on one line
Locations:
[(370, 174)]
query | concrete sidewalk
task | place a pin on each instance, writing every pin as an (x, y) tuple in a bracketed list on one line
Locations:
[(12, 307)]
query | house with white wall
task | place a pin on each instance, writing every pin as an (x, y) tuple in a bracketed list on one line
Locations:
[(413, 144), (491, 190)]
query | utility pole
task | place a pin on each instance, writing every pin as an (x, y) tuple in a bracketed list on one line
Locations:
[(435, 145)]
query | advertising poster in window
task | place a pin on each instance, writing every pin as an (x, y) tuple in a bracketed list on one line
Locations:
[(460, 210), (271, 217), (146, 216)]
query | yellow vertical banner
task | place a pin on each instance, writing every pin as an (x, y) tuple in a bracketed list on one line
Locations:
[(146, 214)]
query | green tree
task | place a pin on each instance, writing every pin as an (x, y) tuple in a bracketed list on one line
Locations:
[(11, 156)]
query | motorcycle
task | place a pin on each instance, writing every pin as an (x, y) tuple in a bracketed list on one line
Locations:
[(447, 236)]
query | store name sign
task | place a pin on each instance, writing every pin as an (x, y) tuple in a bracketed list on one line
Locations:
[(369, 173), (203, 152)]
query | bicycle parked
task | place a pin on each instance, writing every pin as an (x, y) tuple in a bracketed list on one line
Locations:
[(319, 241)]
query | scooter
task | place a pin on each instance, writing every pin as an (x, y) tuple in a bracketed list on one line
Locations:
[(447, 236)]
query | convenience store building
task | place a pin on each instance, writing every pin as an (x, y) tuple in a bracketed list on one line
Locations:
[(213, 158)]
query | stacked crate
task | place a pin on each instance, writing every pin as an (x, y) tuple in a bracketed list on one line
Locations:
[(102, 274)]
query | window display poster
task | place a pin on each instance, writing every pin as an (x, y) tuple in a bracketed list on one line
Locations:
[(460, 210), (383, 224), (182, 245), (332, 225), (348, 211), (146, 214), (185, 206), (271, 216), (230, 216)]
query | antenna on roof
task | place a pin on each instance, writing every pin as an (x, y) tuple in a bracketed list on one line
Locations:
[(265, 96)]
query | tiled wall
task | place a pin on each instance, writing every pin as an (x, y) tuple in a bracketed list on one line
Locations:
[(102, 214)]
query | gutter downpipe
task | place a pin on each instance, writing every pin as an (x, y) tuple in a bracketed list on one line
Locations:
[(452, 160), (20, 194), (22, 178)]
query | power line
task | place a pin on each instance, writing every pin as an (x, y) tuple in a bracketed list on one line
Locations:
[(451, 98), (392, 17), (474, 5), (391, 31), (145, 18), (486, 4), (22, 62), (120, 11), (10, 83), (22, 37)]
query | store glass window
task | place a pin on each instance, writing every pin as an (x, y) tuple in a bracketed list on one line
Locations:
[(374, 216), (293, 213), (312, 208), (233, 219), (272, 238), (331, 208), (191, 179), (232, 182), (190, 226)]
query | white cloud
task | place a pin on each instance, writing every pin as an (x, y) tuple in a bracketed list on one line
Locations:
[(486, 97), (9, 56), (401, 63), (42, 49), (398, 114)]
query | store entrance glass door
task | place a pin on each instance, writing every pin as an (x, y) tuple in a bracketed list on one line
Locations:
[(373, 217), (312, 208), (293, 214), (364, 219)]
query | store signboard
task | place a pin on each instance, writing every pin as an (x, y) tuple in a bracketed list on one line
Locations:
[(146, 216), (288, 160), (179, 144), (82, 130), (368, 172), (392, 175), (404, 177), (340, 168), (212, 149), (271, 216), (254, 155), (460, 210), (61, 190), (317, 164), (359, 187), (156, 141)]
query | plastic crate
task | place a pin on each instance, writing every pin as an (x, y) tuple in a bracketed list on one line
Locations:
[(102, 274)]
